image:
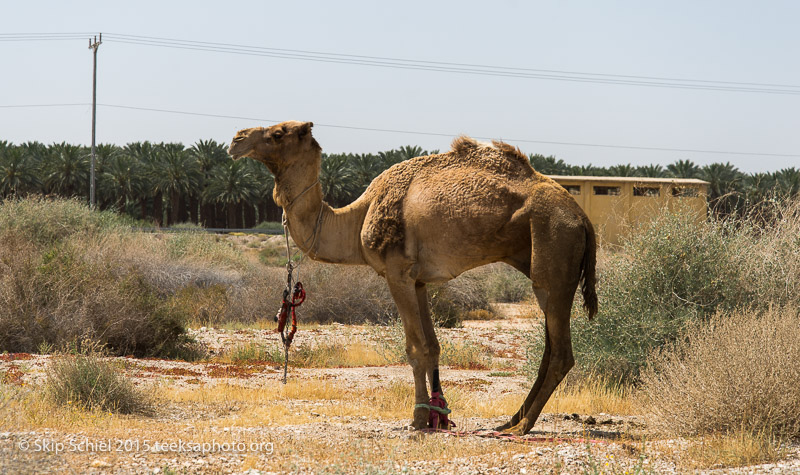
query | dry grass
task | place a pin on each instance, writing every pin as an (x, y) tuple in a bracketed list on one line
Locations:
[(740, 370), (482, 315), (736, 449), (592, 395), (335, 354)]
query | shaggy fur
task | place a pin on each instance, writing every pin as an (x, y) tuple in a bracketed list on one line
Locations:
[(386, 230)]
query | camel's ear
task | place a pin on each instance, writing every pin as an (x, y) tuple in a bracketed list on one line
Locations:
[(304, 129)]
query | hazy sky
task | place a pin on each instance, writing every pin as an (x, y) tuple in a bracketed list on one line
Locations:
[(715, 41)]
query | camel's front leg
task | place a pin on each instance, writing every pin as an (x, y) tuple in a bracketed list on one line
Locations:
[(437, 393), (418, 349)]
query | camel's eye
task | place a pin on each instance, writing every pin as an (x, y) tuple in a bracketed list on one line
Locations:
[(277, 135), (238, 139)]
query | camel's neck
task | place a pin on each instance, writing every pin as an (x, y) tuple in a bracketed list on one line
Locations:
[(323, 233)]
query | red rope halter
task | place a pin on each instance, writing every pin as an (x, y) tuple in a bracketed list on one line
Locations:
[(288, 307)]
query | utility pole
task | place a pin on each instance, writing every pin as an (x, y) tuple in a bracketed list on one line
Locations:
[(93, 46)]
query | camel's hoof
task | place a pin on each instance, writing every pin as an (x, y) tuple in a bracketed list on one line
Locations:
[(518, 430), (421, 415), (503, 427)]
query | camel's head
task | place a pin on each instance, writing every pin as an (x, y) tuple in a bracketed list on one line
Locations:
[(276, 146)]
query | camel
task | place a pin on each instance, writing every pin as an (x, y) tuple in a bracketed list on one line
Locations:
[(427, 220)]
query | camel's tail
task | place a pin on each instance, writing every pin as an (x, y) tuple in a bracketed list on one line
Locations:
[(588, 270)]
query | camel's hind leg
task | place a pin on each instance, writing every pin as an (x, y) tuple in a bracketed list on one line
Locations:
[(560, 362), (555, 278), (541, 297)]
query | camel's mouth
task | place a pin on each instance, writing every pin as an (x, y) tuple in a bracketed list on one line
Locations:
[(234, 154)]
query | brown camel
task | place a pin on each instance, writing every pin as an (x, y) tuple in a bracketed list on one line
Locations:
[(431, 218)]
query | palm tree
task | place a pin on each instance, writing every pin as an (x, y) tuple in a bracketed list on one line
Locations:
[(722, 178), (408, 152), (622, 170), (67, 170), (587, 170), (758, 187), (18, 173), (122, 179), (208, 154), (389, 158), (787, 182), (176, 174), (267, 209), (336, 179), (724, 187), (144, 154), (232, 183), (651, 171), (549, 165), (683, 169), (363, 168), (104, 154)]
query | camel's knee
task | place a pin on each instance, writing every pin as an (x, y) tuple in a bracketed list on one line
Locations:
[(423, 355), (434, 350)]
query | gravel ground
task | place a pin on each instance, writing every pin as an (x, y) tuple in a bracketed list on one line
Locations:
[(319, 437)]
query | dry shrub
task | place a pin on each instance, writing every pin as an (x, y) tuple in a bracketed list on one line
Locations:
[(334, 293), (452, 300), (345, 294), (44, 221), (482, 314), (740, 371), (591, 394), (152, 257), (69, 275), (771, 265), (90, 382), (56, 298), (503, 283)]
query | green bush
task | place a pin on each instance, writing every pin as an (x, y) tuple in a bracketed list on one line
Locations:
[(90, 382), (671, 272), (675, 271)]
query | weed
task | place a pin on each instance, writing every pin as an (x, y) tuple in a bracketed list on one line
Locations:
[(91, 382), (500, 374)]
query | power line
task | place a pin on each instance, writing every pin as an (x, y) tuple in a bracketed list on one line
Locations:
[(422, 65), (42, 36), (462, 68), (421, 133)]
